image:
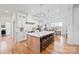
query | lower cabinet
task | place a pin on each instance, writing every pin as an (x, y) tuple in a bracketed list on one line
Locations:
[(46, 41)]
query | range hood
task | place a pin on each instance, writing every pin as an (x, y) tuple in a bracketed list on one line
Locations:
[(29, 23)]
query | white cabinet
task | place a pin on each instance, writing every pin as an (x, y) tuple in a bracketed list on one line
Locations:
[(20, 19), (8, 27), (20, 26), (20, 36)]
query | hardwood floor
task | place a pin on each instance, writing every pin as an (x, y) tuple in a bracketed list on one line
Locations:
[(60, 46)]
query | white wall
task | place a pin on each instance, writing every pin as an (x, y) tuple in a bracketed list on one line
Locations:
[(75, 24), (72, 24), (68, 24)]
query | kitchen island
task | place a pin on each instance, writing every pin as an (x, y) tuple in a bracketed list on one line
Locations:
[(39, 41)]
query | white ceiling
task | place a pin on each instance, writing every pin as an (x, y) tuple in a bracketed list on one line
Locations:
[(14, 7), (46, 11), (27, 7)]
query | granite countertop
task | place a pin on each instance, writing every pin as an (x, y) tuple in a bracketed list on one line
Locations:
[(40, 34)]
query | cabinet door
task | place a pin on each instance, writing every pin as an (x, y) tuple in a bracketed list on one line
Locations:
[(35, 43), (21, 19)]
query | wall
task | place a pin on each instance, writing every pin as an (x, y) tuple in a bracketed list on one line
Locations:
[(75, 24), (68, 24), (72, 24)]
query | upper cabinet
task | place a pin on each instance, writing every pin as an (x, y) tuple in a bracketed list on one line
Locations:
[(21, 18)]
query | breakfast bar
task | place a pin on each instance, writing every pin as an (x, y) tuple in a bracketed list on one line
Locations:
[(39, 41)]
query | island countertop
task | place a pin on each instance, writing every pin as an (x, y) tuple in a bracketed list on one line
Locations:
[(40, 34)]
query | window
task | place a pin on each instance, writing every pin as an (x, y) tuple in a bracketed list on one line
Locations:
[(60, 24)]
